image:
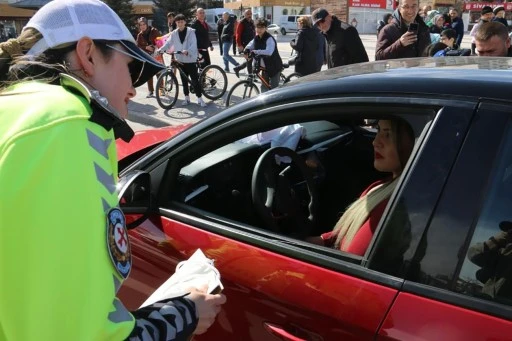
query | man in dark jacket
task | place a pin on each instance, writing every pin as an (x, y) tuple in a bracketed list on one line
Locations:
[(245, 31), (202, 36), (344, 46), (457, 24), (398, 40)]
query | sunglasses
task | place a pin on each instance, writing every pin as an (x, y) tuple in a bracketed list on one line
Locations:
[(134, 68)]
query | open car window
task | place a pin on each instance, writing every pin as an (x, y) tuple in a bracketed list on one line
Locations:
[(337, 151)]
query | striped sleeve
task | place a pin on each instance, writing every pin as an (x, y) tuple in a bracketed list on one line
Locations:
[(162, 321)]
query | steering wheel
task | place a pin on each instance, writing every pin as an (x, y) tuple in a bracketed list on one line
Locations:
[(274, 197)]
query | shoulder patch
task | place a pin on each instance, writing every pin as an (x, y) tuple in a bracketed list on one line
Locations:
[(118, 244)]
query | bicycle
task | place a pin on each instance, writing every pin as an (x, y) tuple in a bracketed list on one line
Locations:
[(247, 88), (212, 78)]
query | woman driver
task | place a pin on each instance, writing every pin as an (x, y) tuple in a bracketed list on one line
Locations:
[(354, 230)]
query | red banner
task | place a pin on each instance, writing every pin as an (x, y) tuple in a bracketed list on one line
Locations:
[(367, 3), (477, 6)]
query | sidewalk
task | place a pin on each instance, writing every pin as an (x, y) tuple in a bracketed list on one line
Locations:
[(147, 111)]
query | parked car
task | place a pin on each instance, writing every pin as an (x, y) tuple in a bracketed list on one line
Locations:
[(273, 29), (213, 187)]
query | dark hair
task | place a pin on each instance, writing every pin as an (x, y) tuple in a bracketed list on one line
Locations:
[(386, 17), (261, 22), (171, 14), (487, 30), (432, 49), (449, 33), (179, 17)]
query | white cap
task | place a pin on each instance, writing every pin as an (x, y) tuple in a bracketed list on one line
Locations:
[(67, 21)]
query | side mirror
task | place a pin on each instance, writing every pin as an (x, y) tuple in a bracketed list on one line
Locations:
[(135, 197)]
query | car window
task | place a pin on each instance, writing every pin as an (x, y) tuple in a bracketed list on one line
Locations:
[(338, 153), (486, 271)]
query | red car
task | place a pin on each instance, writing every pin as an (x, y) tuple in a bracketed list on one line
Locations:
[(212, 187)]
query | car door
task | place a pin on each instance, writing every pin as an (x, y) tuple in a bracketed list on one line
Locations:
[(459, 286), (279, 288)]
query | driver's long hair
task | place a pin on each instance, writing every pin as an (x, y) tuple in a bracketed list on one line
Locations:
[(359, 211)]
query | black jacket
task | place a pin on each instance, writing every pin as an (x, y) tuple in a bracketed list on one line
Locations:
[(203, 39), (273, 63), (247, 32), (388, 41), (344, 46), (306, 45), (228, 30)]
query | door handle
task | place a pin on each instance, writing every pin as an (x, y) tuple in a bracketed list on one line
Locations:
[(281, 333)]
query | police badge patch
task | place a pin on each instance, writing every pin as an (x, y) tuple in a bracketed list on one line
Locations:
[(118, 244)]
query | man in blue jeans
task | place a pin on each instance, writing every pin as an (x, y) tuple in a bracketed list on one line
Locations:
[(228, 31)]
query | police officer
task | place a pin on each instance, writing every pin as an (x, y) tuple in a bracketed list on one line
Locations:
[(64, 250)]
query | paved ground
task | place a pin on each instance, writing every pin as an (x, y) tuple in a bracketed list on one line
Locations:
[(146, 111)]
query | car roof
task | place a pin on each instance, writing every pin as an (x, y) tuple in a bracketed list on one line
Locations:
[(488, 77)]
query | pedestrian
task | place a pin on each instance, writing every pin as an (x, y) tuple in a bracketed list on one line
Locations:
[(220, 27), (265, 46), (406, 37), (437, 24), (146, 40), (170, 21), (491, 39), (485, 17), (63, 103), (306, 45), (203, 37), (344, 46), (386, 19), (457, 24), (499, 15), (245, 32), (228, 32), (183, 43)]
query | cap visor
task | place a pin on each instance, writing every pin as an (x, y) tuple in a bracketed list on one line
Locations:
[(145, 66)]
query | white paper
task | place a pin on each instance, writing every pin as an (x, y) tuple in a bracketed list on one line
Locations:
[(195, 272)]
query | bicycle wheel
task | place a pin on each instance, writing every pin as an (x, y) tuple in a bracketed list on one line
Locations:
[(241, 91), (166, 89), (214, 82), (291, 77)]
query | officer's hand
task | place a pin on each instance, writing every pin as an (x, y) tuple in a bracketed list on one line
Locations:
[(207, 307), (408, 38)]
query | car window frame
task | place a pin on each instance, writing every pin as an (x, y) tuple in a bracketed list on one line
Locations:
[(458, 198), (334, 260)]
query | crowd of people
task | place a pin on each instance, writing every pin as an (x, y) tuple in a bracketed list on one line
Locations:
[(413, 32), (324, 39)]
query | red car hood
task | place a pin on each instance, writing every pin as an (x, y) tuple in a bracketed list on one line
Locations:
[(147, 138)]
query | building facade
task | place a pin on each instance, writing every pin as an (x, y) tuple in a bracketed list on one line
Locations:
[(12, 19)]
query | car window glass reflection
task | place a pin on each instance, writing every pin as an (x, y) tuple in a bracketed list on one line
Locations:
[(487, 268)]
